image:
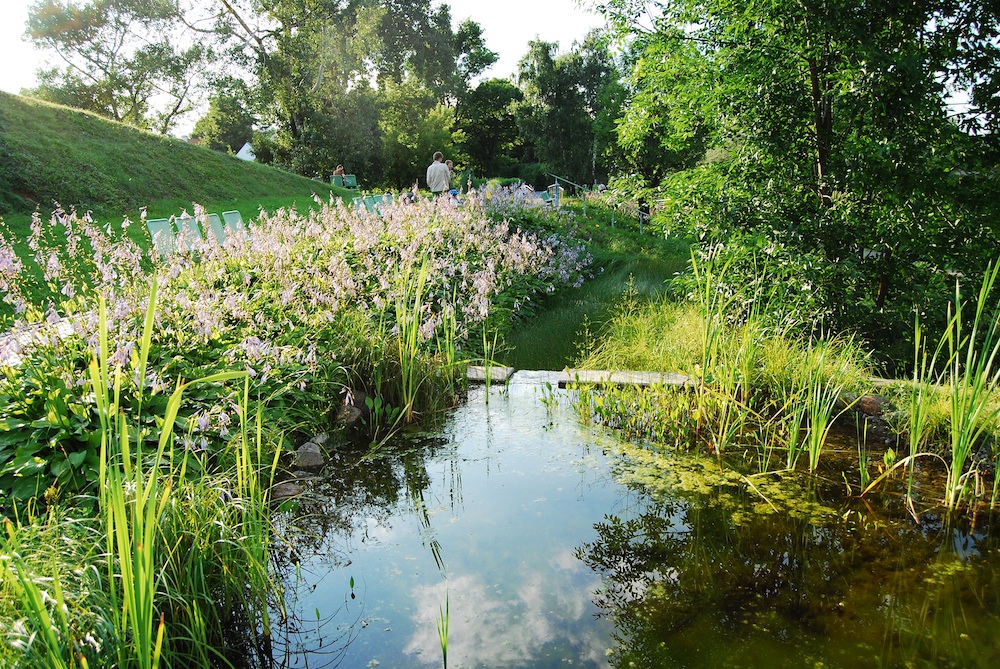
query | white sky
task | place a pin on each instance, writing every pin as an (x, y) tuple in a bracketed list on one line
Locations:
[(508, 25)]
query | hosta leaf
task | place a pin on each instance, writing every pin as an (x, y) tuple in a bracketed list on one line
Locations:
[(9, 424), (24, 488)]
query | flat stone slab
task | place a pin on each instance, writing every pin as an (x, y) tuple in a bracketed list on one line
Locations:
[(538, 377), (627, 378), (567, 377), (497, 374)]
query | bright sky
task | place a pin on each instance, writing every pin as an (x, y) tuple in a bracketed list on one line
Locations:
[(508, 25)]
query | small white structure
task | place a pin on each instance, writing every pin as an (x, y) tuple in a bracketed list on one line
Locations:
[(246, 153)]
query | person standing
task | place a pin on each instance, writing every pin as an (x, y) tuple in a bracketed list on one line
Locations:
[(438, 175)]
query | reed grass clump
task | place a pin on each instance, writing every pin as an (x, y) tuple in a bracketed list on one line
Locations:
[(170, 560), (953, 400), (768, 390), (754, 386)]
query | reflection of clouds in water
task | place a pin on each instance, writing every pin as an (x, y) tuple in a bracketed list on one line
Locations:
[(490, 628)]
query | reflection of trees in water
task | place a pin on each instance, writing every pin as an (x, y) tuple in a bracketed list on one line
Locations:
[(358, 491), (696, 584)]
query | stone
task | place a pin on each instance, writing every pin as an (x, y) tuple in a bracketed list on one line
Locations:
[(497, 374), (874, 405), (284, 490), (354, 410), (309, 456)]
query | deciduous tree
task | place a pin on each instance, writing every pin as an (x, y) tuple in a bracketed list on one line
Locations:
[(834, 120), (124, 59)]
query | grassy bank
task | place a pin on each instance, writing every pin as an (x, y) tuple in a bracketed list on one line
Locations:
[(764, 399), (50, 153), (626, 262)]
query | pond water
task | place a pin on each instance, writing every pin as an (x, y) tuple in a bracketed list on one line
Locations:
[(545, 550)]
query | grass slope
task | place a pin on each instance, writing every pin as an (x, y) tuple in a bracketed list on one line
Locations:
[(50, 153)]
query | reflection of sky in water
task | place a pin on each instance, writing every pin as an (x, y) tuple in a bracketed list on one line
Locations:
[(511, 495)]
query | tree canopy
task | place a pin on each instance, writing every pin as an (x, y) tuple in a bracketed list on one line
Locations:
[(823, 125), (118, 55)]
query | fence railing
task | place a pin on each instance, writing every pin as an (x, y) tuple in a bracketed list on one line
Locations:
[(585, 191)]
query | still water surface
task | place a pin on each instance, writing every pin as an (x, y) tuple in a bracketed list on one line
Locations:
[(484, 519), (546, 551)]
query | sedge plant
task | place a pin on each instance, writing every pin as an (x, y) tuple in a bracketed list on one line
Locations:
[(973, 374)]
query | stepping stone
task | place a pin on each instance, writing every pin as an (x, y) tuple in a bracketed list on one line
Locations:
[(496, 374)]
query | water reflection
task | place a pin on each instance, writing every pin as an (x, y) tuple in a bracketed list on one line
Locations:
[(486, 516), (697, 581), (550, 552)]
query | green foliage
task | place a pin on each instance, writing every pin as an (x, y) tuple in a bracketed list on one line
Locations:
[(413, 127), (558, 114), (825, 130), (486, 118), (228, 124), (305, 304), (120, 55), (48, 440), (315, 71)]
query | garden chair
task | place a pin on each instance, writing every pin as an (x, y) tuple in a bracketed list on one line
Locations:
[(188, 231), (234, 224), (162, 236), (337, 180), (350, 181), (359, 202), (218, 228), (370, 205)]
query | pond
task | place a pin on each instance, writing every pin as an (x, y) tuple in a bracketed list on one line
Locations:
[(543, 542)]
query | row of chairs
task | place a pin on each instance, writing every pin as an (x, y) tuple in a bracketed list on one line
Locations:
[(345, 181), (166, 233), (373, 203)]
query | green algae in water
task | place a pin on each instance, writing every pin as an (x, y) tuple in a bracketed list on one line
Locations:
[(702, 480), (784, 570)]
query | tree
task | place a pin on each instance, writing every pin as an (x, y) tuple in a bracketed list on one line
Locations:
[(559, 114), (833, 120), (414, 126), (312, 57), (228, 124), (123, 59), (486, 118)]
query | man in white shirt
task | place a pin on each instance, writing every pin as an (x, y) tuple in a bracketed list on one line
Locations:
[(438, 175)]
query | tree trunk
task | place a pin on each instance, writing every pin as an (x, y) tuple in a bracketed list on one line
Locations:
[(823, 121)]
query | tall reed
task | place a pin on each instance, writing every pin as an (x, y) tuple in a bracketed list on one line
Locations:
[(920, 397), (972, 380), (136, 489), (444, 616), (823, 378), (409, 319), (52, 644)]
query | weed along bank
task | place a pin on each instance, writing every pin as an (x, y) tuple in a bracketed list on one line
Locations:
[(267, 452)]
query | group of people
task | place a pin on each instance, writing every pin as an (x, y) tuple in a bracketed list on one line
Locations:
[(439, 174)]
